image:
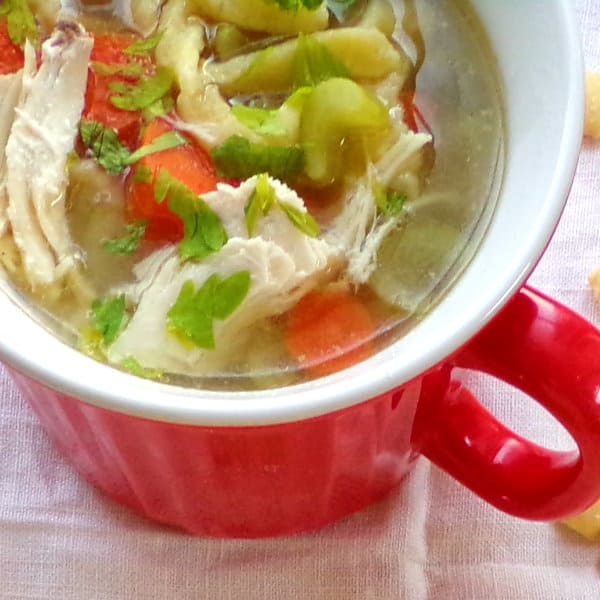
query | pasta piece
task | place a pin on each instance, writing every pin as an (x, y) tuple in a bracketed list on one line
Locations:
[(592, 105), (380, 15), (587, 523), (203, 111), (365, 52), (145, 14), (264, 15)]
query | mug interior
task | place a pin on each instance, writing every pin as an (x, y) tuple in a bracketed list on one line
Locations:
[(544, 98)]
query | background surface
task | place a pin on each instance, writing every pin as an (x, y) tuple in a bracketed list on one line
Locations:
[(61, 540)]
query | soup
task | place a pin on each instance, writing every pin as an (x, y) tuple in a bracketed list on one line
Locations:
[(242, 194)]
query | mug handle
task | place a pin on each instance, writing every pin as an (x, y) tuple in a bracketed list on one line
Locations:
[(544, 349)]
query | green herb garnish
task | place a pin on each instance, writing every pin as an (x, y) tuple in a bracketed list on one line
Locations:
[(238, 158), (109, 317), (144, 47), (388, 202), (145, 93), (20, 22), (129, 243), (131, 365), (110, 153), (191, 318), (142, 174), (105, 146), (204, 233), (302, 220), (314, 63), (263, 199), (129, 70), (166, 141)]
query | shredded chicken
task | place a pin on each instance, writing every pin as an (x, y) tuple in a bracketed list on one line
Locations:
[(284, 264), (10, 90), (40, 141)]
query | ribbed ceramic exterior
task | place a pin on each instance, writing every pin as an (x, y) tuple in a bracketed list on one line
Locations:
[(236, 482)]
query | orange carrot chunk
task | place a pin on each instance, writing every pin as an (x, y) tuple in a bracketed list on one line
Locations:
[(108, 50), (328, 331), (11, 55), (190, 164)]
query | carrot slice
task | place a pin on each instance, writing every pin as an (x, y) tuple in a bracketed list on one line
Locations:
[(108, 49), (189, 164), (328, 331), (11, 55)]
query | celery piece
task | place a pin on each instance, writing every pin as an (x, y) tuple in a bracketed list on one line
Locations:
[(336, 110), (237, 158)]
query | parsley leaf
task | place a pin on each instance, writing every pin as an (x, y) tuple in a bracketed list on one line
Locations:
[(191, 318), (203, 231), (129, 243), (109, 317), (145, 46), (145, 93), (129, 70), (238, 158), (20, 22), (263, 199), (143, 174), (133, 366), (314, 63), (302, 220), (166, 141), (388, 202), (110, 153), (105, 146)]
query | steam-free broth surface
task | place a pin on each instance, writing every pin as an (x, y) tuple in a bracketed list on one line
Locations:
[(231, 200)]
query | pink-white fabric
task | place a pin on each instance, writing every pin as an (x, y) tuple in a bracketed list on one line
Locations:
[(431, 540)]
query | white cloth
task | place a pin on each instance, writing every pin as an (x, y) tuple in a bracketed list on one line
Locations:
[(61, 540)]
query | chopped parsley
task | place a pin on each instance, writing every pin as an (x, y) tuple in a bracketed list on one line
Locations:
[(145, 46), (238, 158), (131, 365), (302, 220), (388, 202), (143, 94), (20, 22), (108, 151), (191, 318), (203, 231), (129, 243), (105, 146), (109, 316), (263, 199), (129, 70)]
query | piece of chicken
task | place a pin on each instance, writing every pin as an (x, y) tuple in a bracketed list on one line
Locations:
[(42, 137), (10, 90), (283, 262)]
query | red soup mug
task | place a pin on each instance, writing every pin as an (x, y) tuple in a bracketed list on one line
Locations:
[(253, 464)]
